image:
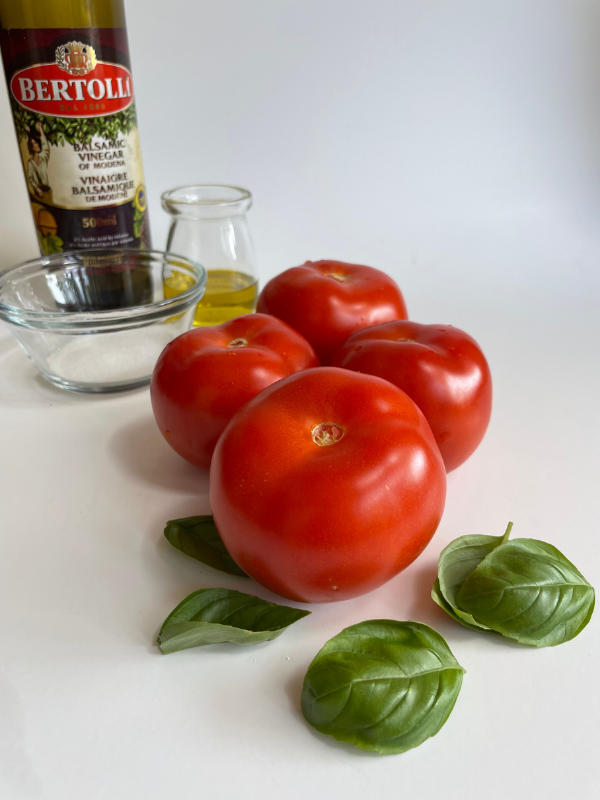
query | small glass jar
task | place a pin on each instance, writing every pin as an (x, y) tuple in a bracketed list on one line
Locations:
[(209, 226)]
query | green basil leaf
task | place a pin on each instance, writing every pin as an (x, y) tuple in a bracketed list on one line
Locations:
[(215, 616), (457, 614), (456, 563), (382, 685), (199, 538), (527, 590)]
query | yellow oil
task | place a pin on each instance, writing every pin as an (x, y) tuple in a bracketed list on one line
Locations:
[(228, 294)]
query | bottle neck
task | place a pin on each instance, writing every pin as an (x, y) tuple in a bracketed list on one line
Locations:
[(62, 14)]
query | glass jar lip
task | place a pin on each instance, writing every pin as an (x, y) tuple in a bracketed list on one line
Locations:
[(181, 195), (207, 200), (126, 317)]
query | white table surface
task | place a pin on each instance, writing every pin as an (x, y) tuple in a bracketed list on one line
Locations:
[(485, 206)]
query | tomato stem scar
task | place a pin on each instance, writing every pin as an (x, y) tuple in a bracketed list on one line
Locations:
[(327, 433), (338, 276), (238, 342)]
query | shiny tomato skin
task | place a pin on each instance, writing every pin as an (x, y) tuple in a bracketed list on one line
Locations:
[(440, 367), (204, 376), (318, 523), (327, 300)]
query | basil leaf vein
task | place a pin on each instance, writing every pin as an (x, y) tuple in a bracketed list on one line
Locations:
[(528, 591), (199, 538), (216, 616), (382, 685)]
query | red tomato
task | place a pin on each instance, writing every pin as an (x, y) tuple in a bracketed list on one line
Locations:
[(204, 376), (326, 301), (440, 367), (327, 485)]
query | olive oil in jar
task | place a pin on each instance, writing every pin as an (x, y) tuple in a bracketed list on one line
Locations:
[(228, 294), (209, 225)]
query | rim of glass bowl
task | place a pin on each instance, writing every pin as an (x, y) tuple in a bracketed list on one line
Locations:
[(127, 317)]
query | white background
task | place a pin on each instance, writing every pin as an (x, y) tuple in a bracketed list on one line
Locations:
[(455, 145)]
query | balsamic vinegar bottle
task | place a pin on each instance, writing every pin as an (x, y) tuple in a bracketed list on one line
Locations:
[(72, 98), (71, 92)]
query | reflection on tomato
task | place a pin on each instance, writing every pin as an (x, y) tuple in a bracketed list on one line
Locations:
[(440, 367), (327, 300), (204, 376), (327, 484)]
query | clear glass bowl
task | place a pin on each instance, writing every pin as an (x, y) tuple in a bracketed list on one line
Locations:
[(96, 320)]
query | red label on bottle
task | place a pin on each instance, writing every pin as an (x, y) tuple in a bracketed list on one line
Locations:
[(75, 85)]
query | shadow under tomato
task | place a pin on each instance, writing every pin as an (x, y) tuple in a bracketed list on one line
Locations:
[(423, 608), (141, 450)]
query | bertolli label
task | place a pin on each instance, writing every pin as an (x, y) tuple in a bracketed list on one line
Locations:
[(90, 88)]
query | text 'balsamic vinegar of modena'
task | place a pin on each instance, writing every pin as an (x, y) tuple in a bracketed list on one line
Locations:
[(72, 98)]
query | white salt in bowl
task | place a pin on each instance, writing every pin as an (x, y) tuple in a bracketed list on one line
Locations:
[(96, 320)]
